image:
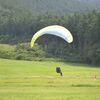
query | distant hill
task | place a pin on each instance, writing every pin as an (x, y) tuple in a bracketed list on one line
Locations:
[(20, 19), (55, 6), (94, 3)]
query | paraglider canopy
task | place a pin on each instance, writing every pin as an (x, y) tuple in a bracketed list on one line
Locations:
[(56, 30)]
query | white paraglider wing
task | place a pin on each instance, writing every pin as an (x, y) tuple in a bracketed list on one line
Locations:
[(53, 30)]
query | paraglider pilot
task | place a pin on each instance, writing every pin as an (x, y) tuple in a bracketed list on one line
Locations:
[(58, 70)]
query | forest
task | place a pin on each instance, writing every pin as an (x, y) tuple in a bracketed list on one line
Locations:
[(17, 27)]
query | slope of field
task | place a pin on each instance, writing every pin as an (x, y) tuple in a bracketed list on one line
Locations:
[(34, 80)]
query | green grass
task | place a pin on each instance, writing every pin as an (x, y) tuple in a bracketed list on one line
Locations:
[(6, 47), (34, 80)]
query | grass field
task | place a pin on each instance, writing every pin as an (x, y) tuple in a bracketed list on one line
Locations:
[(34, 80)]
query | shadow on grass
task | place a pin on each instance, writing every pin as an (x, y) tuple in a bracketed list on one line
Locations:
[(84, 85)]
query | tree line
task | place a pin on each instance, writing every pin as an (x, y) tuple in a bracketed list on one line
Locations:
[(16, 28)]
